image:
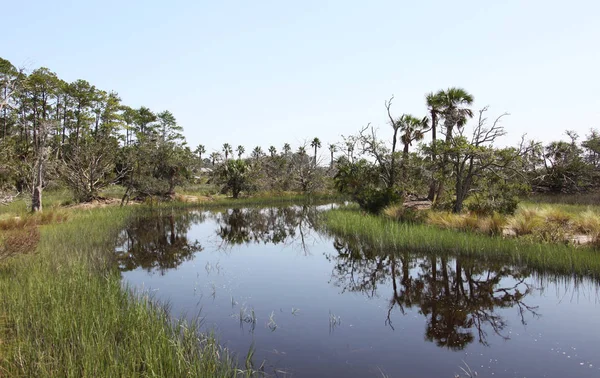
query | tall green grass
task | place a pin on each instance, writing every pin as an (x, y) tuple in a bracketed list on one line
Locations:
[(389, 234), (64, 313)]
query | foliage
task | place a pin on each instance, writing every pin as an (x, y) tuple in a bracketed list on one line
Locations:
[(235, 176), (361, 181)]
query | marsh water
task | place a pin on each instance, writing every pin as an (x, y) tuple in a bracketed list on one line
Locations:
[(315, 305)]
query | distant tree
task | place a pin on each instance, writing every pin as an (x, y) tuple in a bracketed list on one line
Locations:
[(199, 151), (129, 117), (316, 144), (144, 121), (227, 150), (591, 147), (272, 151), (159, 160), (240, 151), (169, 130), (287, 149), (214, 157), (332, 150), (235, 176), (257, 153)]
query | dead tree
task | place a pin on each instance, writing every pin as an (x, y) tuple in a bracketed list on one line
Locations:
[(41, 156)]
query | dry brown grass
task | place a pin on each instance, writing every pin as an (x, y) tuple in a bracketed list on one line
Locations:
[(33, 220), (19, 241), (588, 223), (525, 221)]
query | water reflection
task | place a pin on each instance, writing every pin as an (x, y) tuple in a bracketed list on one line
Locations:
[(423, 307), (459, 298), (288, 225), (158, 243)]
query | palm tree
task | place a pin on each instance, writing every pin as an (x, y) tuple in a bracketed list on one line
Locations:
[(302, 150), (214, 157), (455, 102), (257, 153), (272, 151), (350, 149), (316, 144), (332, 149), (240, 151), (450, 105), (227, 150), (287, 149), (200, 150), (434, 105), (412, 129)]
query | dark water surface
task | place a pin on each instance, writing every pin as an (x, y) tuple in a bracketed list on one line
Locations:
[(318, 306)]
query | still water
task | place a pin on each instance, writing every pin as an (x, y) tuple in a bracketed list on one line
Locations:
[(315, 305)]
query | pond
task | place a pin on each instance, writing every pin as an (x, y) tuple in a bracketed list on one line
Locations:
[(315, 305)]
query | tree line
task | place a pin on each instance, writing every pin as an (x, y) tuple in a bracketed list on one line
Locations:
[(53, 132), (463, 168)]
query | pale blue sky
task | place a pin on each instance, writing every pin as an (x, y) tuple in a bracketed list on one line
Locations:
[(269, 72)]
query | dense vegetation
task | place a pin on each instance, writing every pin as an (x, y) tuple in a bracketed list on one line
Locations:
[(55, 133)]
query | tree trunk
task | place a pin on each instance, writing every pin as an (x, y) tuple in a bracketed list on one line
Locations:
[(461, 193), (434, 184), (36, 198), (392, 177)]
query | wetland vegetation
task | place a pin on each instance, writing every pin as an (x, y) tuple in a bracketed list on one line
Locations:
[(460, 231)]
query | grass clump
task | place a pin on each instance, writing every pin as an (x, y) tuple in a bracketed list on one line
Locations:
[(401, 213), (588, 223), (490, 225), (525, 221), (64, 312)]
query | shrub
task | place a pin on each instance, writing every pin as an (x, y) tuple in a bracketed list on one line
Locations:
[(374, 200), (526, 221)]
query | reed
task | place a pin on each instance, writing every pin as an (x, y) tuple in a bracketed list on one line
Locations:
[(391, 235), (65, 313)]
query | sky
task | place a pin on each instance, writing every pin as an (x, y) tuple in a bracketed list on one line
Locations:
[(270, 72)]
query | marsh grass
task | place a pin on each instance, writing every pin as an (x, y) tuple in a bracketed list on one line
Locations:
[(545, 224), (588, 223), (65, 313), (390, 235), (490, 225)]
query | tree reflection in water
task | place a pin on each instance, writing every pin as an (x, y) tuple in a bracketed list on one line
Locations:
[(287, 225), (459, 297), (158, 243)]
